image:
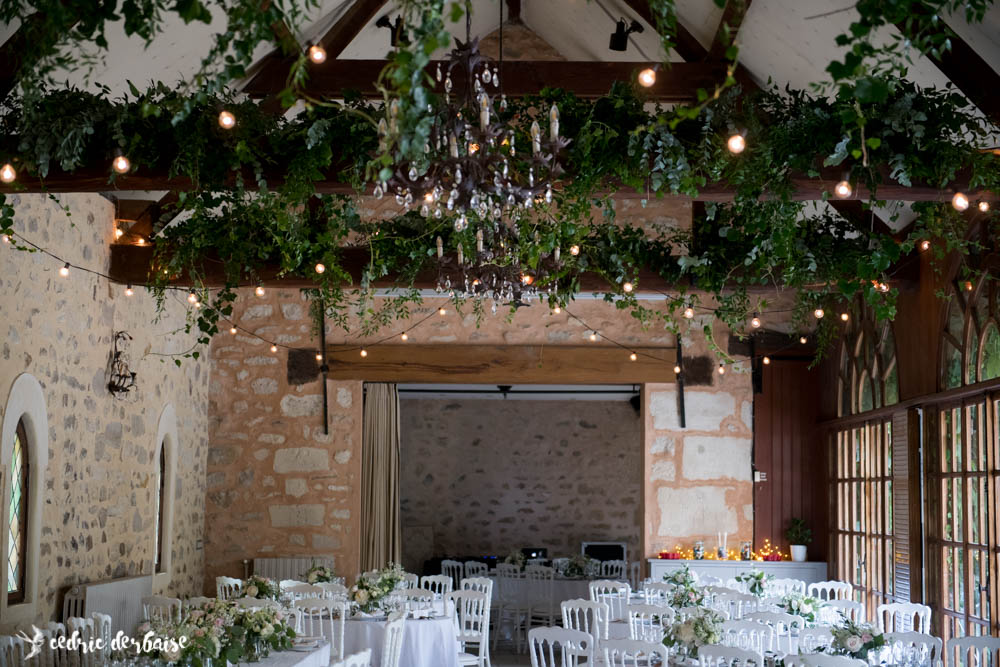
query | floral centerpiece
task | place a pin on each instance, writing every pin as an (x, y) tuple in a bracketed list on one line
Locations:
[(701, 628), (686, 592), (179, 643), (682, 576), (855, 640), (371, 588), (756, 581), (579, 566), (261, 588), (261, 630), (516, 557), (319, 574), (801, 605)]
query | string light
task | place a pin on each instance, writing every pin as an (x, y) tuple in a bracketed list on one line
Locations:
[(843, 189), (627, 288), (883, 287), (319, 356), (121, 164), (232, 330), (4, 238), (320, 268), (128, 290), (317, 54), (442, 311), (767, 361), (984, 206), (925, 245), (141, 241), (845, 316), (364, 352), (574, 250), (192, 297), (593, 336), (64, 271), (722, 368), (197, 305), (968, 285), (227, 120), (818, 313), (404, 336), (7, 173), (677, 370), (960, 201), (736, 144), (274, 348), (556, 310), (803, 340), (647, 77), (633, 356), (259, 290), (689, 312), (755, 322)]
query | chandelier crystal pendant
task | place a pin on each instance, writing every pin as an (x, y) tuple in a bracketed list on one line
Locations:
[(474, 166)]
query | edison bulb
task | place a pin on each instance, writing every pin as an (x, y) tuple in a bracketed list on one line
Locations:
[(925, 245), (574, 250), (141, 241), (7, 173), (755, 322), (259, 291), (121, 164), (232, 330), (984, 206), (843, 189), (689, 312), (627, 288), (64, 271), (647, 77), (119, 233), (274, 348), (227, 120), (845, 316), (404, 336), (319, 357), (767, 361), (633, 356), (317, 54), (736, 144), (129, 291), (556, 310), (4, 238), (364, 353), (320, 268), (803, 340), (677, 370), (442, 311), (192, 297), (722, 369), (593, 336), (960, 201), (818, 313)]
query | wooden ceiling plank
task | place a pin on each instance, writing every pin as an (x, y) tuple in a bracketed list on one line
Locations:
[(729, 27), (501, 364)]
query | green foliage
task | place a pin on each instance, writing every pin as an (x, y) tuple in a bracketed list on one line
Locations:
[(798, 532)]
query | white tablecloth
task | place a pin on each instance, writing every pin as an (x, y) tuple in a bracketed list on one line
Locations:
[(426, 642), (562, 589), (318, 657)]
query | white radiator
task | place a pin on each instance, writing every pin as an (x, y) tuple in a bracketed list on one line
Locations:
[(121, 599), (289, 567)]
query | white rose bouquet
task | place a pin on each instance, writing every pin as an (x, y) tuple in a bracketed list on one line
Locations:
[(756, 581), (856, 639), (579, 566), (801, 605), (370, 589), (261, 588), (702, 628), (319, 574), (681, 577), (261, 630)]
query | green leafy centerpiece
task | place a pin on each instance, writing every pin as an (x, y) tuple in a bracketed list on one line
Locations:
[(261, 588), (371, 589), (579, 566), (756, 581), (516, 557), (856, 640), (701, 628), (262, 630), (686, 592), (318, 574), (805, 606)]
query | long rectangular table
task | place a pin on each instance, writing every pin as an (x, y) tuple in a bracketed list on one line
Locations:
[(727, 569)]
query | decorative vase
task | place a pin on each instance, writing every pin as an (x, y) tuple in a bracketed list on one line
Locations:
[(256, 650), (798, 552)]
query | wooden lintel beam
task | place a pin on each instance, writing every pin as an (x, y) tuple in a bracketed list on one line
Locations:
[(729, 27), (501, 364)]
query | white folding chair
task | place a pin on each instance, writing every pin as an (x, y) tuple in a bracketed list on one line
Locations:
[(735, 604), (830, 590), (647, 622), (228, 588), (903, 616), (716, 654), (821, 660), (974, 651), (632, 653), (541, 594), (613, 569), (411, 580), (614, 593), (749, 635), (782, 587), (815, 640), (576, 648), (511, 606), (833, 611), (361, 659), (454, 570), (481, 584), (586, 616), (472, 621), (782, 625), (392, 643), (923, 642), (475, 568), (159, 608), (439, 584), (323, 618), (299, 591)]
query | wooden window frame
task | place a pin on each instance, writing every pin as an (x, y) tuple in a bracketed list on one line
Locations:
[(158, 563), (17, 595)]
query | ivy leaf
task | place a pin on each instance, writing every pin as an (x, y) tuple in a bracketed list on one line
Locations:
[(193, 10), (871, 90)]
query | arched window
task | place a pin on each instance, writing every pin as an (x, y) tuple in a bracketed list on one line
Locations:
[(970, 342), (163, 487), (161, 481), (17, 535), (868, 376)]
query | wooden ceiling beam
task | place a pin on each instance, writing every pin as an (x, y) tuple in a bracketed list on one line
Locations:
[(585, 79), (854, 211), (729, 28)]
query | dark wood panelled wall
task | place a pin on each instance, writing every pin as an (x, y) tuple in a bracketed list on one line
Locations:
[(788, 449)]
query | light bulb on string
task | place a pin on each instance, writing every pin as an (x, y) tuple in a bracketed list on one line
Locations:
[(925, 245), (960, 201), (227, 120), (121, 164), (755, 321), (320, 268), (628, 287), (677, 370), (843, 189), (968, 285), (803, 340), (593, 336), (767, 361), (647, 77), (883, 287), (722, 368), (633, 356), (689, 312), (192, 297), (232, 330), (556, 310), (404, 336), (7, 173), (197, 305), (274, 348), (984, 206), (818, 313), (736, 144), (845, 317), (574, 250), (119, 232), (319, 356), (128, 290), (442, 311), (364, 352), (317, 54), (4, 238), (141, 241), (259, 290), (64, 271)]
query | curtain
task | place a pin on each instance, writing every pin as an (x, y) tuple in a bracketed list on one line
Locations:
[(380, 542)]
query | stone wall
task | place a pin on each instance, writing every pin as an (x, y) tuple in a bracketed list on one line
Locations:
[(485, 477), (99, 496)]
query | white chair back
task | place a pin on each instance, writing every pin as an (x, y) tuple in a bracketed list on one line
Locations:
[(833, 611), (252, 603), (332, 589), (815, 640), (933, 646), (716, 654), (454, 570), (771, 604), (735, 604), (51, 657), (782, 587), (613, 593), (360, 659), (472, 621), (415, 598), (482, 584), (323, 618), (159, 608), (102, 629), (410, 580), (714, 589), (439, 584), (85, 628), (586, 616), (749, 635), (830, 590), (647, 622), (228, 588), (392, 643), (822, 660), (708, 580), (903, 617), (974, 651), (782, 625), (475, 568), (299, 591), (576, 647), (195, 602), (288, 583), (632, 653), (613, 569), (658, 593), (540, 588)]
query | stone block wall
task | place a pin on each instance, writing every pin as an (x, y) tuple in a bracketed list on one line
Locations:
[(99, 499), (277, 484), (485, 476)]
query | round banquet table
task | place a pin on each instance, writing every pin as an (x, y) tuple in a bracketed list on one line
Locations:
[(426, 642)]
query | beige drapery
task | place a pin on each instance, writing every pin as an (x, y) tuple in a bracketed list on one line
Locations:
[(380, 539)]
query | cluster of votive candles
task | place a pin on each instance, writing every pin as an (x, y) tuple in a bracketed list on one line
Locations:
[(767, 553)]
